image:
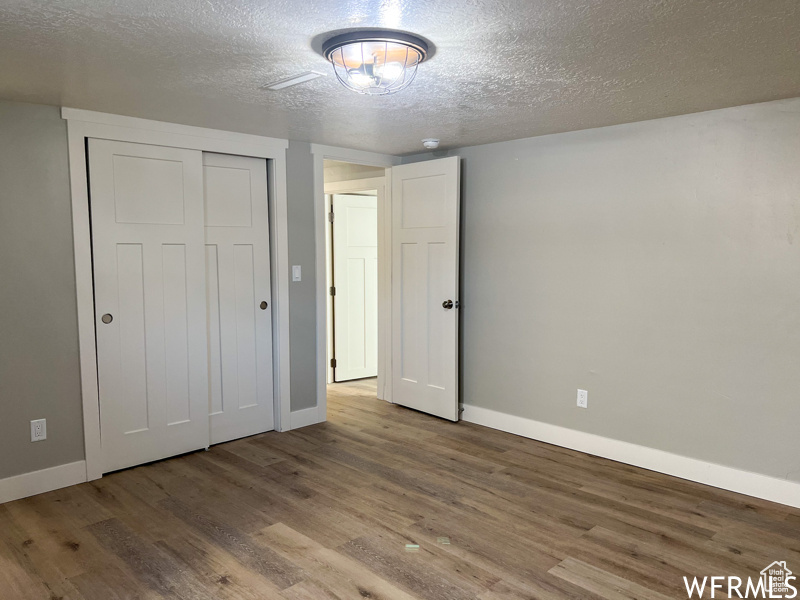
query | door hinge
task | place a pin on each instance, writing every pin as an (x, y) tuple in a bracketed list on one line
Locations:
[(330, 216), (333, 290), (333, 363)]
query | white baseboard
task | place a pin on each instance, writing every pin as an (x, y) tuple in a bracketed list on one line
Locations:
[(38, 482), (744, 482), (305, 417)]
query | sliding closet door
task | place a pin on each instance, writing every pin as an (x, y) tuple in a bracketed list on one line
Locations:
[(150, 300), (239, 304)]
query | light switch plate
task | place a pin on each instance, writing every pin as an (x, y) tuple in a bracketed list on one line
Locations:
[(38, 430), (297, 274), (583, 399)]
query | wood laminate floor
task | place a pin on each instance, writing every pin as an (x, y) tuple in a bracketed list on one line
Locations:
[(383, 502)]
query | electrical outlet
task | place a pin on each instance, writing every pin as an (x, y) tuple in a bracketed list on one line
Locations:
[(38, 430), (583, 399)]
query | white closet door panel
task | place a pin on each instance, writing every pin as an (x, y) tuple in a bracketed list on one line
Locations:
[(425, 231), (237, 268), (355, 277), (244, 273), (149, 264), (131, 412), (176, 334), (214, 327)]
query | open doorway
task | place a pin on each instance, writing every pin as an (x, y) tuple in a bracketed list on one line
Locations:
[(418, 241), (354, 277)]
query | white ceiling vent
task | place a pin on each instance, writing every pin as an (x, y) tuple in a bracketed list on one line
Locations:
[(293, 80)]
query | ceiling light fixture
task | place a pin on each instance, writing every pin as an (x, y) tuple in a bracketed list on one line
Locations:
[(375, 62)]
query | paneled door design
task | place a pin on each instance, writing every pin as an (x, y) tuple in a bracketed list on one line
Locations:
[(238, 296), (425, 230), (150, 300), (355, 278)]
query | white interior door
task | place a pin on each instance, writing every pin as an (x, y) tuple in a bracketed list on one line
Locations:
[(238, 296), (425, 232), (355, 279), (150, 301)]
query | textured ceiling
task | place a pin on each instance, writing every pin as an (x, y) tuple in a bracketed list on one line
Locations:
[(503, 69)]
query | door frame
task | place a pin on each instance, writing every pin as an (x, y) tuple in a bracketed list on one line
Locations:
[(321, 153), (83, 124), (352, 186)]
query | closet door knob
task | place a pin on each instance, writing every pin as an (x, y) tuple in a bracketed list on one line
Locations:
[(448, 304), (106, 318), (263, 305)]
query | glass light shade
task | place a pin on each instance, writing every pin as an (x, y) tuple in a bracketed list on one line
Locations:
[(375, 65)]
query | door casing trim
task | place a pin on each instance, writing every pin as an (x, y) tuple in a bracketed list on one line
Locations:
[(361, 157)]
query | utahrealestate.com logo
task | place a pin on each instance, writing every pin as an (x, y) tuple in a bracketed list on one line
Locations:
[(776, 581)]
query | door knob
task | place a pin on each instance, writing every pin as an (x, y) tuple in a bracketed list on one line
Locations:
[(106, 318), (263, 305), (448, 304)]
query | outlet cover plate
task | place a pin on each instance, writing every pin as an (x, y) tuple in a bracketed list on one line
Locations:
[(38, 430), (583, 399)]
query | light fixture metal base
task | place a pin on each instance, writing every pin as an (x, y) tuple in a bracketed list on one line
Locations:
[(375, 35)]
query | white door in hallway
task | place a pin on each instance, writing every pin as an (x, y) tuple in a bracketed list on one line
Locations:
[(425, 238), (355, 279), (238, 296), (150, 300)]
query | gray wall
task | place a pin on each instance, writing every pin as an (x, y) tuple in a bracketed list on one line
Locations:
[(39, 371), (656, 265), (302, 294)]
